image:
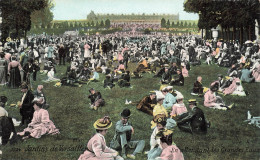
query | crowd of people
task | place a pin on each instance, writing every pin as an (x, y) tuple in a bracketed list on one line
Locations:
[(169, 58)]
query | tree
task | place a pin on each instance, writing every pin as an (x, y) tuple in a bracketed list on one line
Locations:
[(16, 19), (97, 25), (168, 24), (92, 16), (92, 24), (173, 25), (163, 23), (107, 23), (178, 24), (181, 25), (102, 24), (185, 24), (43, 16)]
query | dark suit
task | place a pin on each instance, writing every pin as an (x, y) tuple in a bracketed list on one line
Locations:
[(166, 78), (178, 81), (198, 88), (6, 128), (146, 105), (193, 122), (27, 109)]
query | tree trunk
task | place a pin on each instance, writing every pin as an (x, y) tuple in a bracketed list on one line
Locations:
[(249, 32), (222, 33), (228, 32), (241, 34), (234, 32), (201, 33)]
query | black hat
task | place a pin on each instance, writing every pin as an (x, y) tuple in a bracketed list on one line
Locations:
[(126, 113)]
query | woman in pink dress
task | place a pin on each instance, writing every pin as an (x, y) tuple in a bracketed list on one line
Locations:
[(232, 87), (97, 148), (41, 123), (213, 101), (178, 108)]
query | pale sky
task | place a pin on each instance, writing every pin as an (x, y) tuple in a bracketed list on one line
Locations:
[(79, 9)]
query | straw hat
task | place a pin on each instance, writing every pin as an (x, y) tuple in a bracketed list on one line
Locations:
[(103, 123)]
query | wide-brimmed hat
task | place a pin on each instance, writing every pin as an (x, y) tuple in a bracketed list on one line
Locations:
[(103, 123), (152, 93), (192, 101), (160, 118), (159, 96), (126, 113), (179, 95)]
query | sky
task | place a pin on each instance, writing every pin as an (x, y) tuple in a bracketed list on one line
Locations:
[(79, 9)]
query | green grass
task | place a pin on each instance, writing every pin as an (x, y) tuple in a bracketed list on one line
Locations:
[(70, 113)]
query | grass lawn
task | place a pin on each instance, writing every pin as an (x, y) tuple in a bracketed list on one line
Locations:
[(228, 138)]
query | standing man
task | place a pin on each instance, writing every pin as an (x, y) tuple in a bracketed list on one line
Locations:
[(194, 121), (122, 137), (26, 105), (62, 54)]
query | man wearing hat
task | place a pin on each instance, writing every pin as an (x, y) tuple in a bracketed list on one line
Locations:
[(166, 76), (147, 104), (96, 147), (26, 105), (123, 134), (194, 121), (179, 80)]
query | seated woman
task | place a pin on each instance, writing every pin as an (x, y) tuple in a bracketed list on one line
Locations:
[(158, 108), (232, 87), (161, 142), (96, 147), (51, 77), (95, 77), (41, 123), (246, 75), (213, 101), (239, 91), (179, 107), (197, 87)]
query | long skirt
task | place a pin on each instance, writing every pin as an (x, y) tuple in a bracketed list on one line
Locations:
[(15, 77)]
